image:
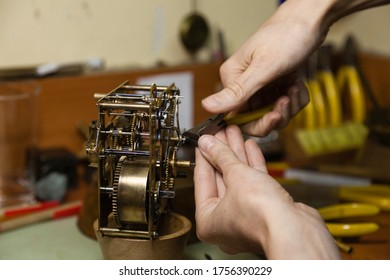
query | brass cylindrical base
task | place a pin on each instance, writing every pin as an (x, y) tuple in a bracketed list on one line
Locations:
[(174, 232)]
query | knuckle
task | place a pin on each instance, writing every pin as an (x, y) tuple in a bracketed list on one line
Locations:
[(237, 91), (225, 162), (224, 69)]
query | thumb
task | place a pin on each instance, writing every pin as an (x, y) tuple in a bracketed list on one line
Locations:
[(217, 153), (237, 92), (223, 101)]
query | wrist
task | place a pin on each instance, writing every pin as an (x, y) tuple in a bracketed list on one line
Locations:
[(273, 205), (311, 17), (327, 12), (297, 231)]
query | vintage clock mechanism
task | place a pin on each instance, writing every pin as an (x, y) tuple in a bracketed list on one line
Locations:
[(133, 144)]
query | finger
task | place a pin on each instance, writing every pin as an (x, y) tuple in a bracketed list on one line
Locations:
[(204, 180), (219, 182), (236, 142), (221, 135), (264, 125), (255, 156), (299, 96), (221, 187), (236, 93), (285, 108), (282, 106), (217, 153), (288, 106)]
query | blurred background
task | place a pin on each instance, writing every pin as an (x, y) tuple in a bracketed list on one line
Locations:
[(142, 33)]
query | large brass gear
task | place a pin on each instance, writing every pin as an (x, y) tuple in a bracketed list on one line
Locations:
[(130, 196)]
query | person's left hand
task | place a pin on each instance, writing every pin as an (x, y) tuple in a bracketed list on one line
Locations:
[(241, 208)]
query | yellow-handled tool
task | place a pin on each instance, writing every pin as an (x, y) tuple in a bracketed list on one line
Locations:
[(316, 113), (341, 211), (217, 122), (328, 83), (349, 83), (266, 98), (247, 117), (351, 230), (378, 195), (265, 101), (348, 210)]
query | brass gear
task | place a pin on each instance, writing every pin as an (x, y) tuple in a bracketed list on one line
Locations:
[(115, 184), (129, 196)]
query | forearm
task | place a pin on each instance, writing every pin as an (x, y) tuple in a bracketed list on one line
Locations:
[(297, 232), (304, 24), (342, 8), (327, 12)]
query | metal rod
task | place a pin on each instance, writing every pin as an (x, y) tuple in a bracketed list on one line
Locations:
[(124, 106), (142, 134), (127, 152), (143, 87), (131, 96), (106, 189)]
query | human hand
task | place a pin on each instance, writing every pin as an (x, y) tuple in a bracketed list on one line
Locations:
[(273, 52), (242, 209)]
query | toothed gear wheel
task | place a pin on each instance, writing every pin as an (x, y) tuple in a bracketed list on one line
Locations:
[(129, 196), (115, 186)]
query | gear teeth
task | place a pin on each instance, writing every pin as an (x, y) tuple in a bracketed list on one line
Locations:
[(115, 186)]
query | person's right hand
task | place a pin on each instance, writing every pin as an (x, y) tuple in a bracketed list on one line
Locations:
[(275, 50), (243, 209)]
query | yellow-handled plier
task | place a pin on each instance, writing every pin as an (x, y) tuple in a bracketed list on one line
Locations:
[(349, 83), (376, 194), (315, 115), (329, 86), (340, 211), (268, 95), (217, 122)]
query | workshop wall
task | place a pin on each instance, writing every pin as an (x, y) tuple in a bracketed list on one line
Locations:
[(141, 33)]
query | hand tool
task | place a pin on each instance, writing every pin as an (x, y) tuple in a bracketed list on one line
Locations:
[(350, 84), (376, 194), (353, 78), (328, 83), (341, 128), (217, 122), (264, 100), (349, 210), (315, 111)]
